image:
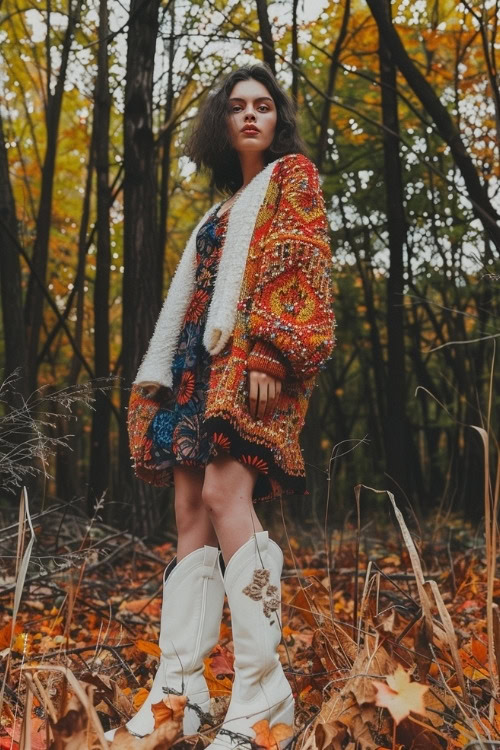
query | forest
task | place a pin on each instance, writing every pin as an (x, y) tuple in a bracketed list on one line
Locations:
[(399, 105)]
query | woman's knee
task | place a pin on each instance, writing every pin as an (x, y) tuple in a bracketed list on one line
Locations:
[(212, 497), (227, 482)]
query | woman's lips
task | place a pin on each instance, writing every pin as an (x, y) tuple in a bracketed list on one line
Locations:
[(250, 132)]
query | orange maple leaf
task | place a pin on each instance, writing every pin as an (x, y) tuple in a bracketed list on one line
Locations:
[(270, 737), (171, 708), (140, 697), (148, 647), (399, 695)]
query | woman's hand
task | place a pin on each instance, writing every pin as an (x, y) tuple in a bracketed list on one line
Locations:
[(263, 393)]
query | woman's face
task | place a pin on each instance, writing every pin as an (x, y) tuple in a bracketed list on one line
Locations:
[(251, 104)]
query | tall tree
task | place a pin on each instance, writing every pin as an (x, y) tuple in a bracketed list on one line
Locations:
[(266, 35), (99, 445), (477, 191), (141, 299), (395, 432), (321, 149), (294, 89), (35, 298), (165, 146), (10, 277)]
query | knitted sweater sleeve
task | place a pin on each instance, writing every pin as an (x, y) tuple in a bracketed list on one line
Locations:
[(291, 316)]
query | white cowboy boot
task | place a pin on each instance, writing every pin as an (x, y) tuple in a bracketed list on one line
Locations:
[(260, 688), (193, 597)]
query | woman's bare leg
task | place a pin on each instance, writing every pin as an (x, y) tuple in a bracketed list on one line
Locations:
[(194, 525), (227, 498)]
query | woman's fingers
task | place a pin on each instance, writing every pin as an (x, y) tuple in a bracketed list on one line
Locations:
[(253, 393), (263, 394), (271, 394)]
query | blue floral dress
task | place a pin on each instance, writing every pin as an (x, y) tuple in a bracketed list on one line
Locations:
[(177, 431)]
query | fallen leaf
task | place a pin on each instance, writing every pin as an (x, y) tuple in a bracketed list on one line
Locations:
[(225, 633), (73, 730), (6, 631), (160, 739), (145, 606), (148, 647), (38, 735), (140, 697), (221, 661), (399, 695), (329, 736), (106, 687), (301, 603), (270, 737), (171, 708), (480, 651), (216, 687)]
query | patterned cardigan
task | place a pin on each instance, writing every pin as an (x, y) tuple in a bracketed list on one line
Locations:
[(271, 310)]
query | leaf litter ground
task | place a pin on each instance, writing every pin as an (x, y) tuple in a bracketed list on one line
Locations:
[(376, 653)]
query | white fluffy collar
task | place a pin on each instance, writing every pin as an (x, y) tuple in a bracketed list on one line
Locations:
[(157, 362)]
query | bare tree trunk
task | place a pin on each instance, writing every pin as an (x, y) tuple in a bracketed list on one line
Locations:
[(166, 142), (99, 445), (332, 76), (379, 408), (395, 432), (141, 301), (79, 283), (295, 53), (69, 478), (478, 193), (34, 297), (266, 35), (10, 279)]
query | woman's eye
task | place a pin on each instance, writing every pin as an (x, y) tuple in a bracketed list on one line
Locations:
[(238, 107)]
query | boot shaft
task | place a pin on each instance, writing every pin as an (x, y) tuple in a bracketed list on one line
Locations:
[(252, 581), (193, 596)]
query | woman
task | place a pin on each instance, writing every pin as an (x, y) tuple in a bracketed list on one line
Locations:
[(221, 394)]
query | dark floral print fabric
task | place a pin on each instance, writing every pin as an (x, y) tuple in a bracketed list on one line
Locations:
[(177, 430)]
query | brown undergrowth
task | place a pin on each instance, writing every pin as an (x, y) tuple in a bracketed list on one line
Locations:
[(390, 640)]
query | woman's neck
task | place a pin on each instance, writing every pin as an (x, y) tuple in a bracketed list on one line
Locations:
[(252, 162)]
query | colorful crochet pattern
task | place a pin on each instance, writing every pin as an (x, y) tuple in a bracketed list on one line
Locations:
[(286, 302), (284, 325)]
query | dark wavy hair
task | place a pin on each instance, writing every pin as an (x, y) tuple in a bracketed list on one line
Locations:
[(209, 145)]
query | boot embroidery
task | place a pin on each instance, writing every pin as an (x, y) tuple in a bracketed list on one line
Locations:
[(259, 589)]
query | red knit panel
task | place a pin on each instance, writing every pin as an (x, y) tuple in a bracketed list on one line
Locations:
[(291, 303), (264, 357)]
